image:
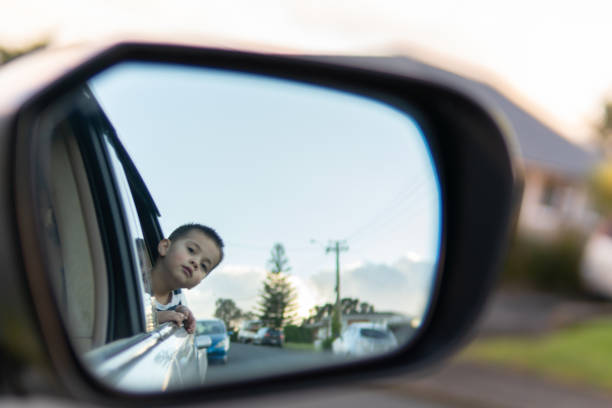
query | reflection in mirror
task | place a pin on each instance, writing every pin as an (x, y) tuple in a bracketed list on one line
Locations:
[(328, 205)]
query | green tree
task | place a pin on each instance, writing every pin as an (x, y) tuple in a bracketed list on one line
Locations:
[(604, 129), (278, 261), (349, 306), (318, 313), (600, 188), (365, 307), (298, 334), (226, 310), (278, 303), (600, 181), (248, 315)]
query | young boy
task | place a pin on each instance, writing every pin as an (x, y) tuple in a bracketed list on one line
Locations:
[(186, 257)]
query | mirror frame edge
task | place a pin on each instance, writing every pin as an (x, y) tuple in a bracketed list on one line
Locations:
[(436, 102)]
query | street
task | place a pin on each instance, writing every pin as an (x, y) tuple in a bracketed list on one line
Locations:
[(452, 383), (250, 361)]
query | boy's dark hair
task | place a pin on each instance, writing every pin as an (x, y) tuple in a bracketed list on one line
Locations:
[(209, 232)]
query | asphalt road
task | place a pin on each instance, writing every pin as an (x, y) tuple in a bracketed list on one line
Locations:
[(461, 384), (248, 361)]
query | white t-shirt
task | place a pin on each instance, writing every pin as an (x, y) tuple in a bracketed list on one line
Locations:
[(177, 298)]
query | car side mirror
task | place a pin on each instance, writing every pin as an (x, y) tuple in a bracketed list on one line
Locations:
[(351, 195), (203, 341)]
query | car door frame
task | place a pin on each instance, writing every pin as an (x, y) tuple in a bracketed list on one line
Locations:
[(138, 354), (158, 357)]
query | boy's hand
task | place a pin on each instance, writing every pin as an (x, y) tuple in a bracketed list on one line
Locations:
[(189, 323), (164, 316)]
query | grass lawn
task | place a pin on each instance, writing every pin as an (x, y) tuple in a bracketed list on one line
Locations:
[(300, 346), (582, 353)]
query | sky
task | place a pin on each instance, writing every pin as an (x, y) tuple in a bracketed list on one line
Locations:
[(551, 56), (263, 161)]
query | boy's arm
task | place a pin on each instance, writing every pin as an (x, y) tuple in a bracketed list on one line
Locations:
[(177, 317)]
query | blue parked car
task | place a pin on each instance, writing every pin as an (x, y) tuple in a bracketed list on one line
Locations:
[(220, 342)]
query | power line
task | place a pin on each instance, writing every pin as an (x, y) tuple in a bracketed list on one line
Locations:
[(412, 213), (390, 211), (255, 247)]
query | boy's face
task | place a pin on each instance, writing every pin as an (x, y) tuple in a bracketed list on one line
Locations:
[(189, 258)]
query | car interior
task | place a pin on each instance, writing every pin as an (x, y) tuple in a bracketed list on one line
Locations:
[(93, 274), (80, 276)]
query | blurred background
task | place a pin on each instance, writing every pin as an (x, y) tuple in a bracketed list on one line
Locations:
[(546, 337)]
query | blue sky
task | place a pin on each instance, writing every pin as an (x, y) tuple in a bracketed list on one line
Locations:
[(264, 160)]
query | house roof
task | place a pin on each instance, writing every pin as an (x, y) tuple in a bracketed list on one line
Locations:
[(540, 146)]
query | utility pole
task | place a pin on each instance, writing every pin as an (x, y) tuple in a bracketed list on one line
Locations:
[(337, 247)]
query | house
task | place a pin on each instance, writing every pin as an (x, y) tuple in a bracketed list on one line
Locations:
[(555, 169)]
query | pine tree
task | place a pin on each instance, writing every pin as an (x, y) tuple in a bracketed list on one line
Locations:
[(278, 302)]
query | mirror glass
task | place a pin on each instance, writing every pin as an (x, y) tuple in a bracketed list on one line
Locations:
[(327, 202)]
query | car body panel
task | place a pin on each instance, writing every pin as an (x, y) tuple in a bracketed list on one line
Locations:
[(269, 336), (164, 359), (219, 347), (360, 339), (248, 330)]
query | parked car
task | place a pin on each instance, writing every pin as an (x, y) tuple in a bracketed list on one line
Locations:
[(360, 339), (248, 330), (220, 341), (596, 263), (269, 336)]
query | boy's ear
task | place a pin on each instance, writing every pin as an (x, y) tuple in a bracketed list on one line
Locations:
[(163, 246)]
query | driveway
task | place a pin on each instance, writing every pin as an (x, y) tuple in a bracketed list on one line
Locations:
[(529, 312)]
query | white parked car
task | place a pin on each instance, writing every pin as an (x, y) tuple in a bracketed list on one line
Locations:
[(596, 267), (248, 330), (364, 338)]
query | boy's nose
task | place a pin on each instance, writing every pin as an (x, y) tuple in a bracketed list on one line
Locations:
[(194, 264)]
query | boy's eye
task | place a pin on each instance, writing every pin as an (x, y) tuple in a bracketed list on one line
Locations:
[(190, 250), (203, 268)]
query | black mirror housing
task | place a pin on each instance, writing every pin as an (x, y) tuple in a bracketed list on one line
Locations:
[(480, 181)]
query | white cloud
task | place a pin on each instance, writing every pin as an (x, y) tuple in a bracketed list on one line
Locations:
[(414, 257), (308, 295), (236, 282), (403, 287)]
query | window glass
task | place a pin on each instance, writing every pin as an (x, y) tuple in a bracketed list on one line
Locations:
[(140, 253), (551, 195), (209, 328), (374, 334)]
